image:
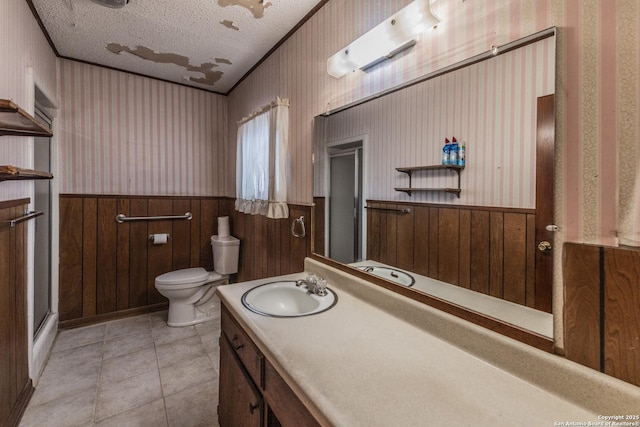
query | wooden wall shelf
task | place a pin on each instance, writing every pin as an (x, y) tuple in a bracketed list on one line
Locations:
[(409, 190), (410, 170), (12, 173), (15, 121)]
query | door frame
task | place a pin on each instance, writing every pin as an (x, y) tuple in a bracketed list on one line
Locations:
[(40, 348), (363, 142)]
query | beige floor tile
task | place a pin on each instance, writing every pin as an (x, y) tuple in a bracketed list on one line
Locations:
[(210, 341), (214, 356), (64, 382), (128, 365), (126, 344), (127, 326), (149, 415), (179, 351), (181, 376), (120, 396), (194, 407), (68, 411), (76, 357), (77, 337), (164, 334), (209, 326), (158, 318), (117, 373)]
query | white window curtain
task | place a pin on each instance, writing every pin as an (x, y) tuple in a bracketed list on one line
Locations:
[(261, 161)]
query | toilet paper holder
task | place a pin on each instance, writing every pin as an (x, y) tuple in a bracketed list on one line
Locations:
[(159, 238)]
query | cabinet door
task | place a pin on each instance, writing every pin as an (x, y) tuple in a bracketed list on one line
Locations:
[(240, 403), (285, 408)]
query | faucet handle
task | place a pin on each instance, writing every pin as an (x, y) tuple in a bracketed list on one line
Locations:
[(321, 287), (312, 278)]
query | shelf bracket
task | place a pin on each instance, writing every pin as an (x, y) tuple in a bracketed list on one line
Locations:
[(408, 173)]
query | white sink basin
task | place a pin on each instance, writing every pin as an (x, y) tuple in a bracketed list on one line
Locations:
[(285, 299), (392, 274)]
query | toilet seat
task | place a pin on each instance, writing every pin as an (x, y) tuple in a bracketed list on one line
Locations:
[(186, 278)]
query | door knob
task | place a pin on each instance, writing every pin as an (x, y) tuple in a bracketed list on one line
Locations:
[(544, 246)]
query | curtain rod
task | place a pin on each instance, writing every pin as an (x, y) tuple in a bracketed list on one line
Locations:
[(276, 103)]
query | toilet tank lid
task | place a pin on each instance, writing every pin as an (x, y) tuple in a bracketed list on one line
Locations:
[(186, 275), (224, 240)]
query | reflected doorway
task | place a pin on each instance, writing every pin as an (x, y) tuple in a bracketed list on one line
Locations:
[(345, 204)]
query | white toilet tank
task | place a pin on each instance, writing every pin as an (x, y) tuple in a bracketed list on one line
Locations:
[(226, 251)]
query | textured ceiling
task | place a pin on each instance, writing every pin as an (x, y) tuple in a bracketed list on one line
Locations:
[(208, 44)]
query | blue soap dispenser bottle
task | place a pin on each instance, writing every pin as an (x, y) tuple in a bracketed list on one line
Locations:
[(445, 152)]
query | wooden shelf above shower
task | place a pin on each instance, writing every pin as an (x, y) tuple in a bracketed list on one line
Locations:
[(15, 121), (410, 170), (12, 173)]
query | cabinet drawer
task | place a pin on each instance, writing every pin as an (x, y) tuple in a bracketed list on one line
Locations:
[(243, 346)]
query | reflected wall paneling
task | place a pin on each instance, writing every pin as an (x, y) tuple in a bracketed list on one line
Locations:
[(15, 385), (108, 269), (436, 241)]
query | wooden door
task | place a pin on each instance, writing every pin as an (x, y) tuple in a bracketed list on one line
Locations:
[(544, 242)]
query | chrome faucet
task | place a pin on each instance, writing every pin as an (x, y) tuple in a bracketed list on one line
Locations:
[(315, 285)]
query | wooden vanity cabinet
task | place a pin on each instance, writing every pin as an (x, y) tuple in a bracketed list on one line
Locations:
[(252, 393), (241, 402)]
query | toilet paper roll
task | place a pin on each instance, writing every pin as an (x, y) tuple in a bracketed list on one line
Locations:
[(223, 226), (159, 238)]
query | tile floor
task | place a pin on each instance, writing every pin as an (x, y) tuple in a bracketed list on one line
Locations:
[(130, 372)]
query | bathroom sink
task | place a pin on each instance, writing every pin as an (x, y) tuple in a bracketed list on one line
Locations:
[(392, 274), (285, 299)]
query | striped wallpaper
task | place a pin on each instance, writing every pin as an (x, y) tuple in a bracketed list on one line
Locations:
[(130, 135), (598, 118), (490, 105), (22, 45), (598, 92), (597, 167)]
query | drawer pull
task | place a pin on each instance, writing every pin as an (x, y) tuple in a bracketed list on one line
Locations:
[(253, 407), (238, 347)]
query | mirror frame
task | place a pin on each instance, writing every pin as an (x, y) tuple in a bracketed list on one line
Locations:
[(520, 334)]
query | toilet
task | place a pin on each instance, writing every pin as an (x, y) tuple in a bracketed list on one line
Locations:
[(190, 290)]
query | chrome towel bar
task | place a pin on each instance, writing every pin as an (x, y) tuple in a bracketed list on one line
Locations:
[(120, 218), (27, 216), (403, 210)]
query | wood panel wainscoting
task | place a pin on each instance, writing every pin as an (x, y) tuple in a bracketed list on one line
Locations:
[(602, 309), (15, 385), (108, 269), (485, 249)]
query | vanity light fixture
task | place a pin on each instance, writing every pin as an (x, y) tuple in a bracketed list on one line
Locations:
[(394, 35)]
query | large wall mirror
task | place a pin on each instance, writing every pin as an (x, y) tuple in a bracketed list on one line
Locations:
[(478, 237)]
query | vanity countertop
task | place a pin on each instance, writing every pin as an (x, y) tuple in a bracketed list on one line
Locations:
[(379, 359)]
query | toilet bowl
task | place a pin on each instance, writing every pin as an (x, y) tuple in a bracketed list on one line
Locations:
[(190, 290)]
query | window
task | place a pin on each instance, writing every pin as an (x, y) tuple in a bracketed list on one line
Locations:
[(261, 161)]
